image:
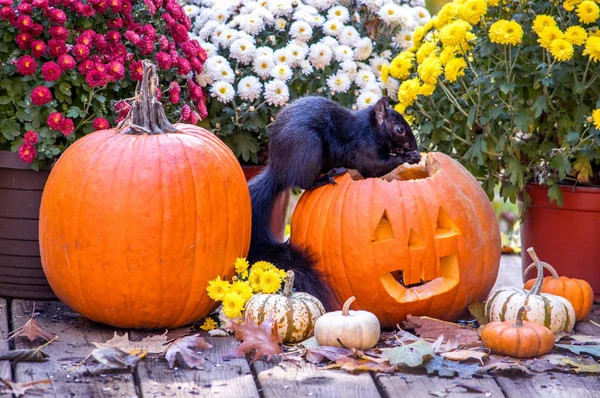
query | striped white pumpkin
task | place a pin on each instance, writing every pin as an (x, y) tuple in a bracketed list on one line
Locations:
[(554, 312), (295, 314)]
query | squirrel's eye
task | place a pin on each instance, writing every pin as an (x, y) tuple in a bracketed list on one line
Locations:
[(400, 129)]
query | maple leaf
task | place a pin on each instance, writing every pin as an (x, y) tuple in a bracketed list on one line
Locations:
[(263, 338), (32, 330), (354, 365), (410, 355), (187, 356), (149, 344), (317, 354), (465, 355), (431, 328), (19, 389)]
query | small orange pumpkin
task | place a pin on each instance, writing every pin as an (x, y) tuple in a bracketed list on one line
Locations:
[(577, 291), (520, 340), (135, 221)]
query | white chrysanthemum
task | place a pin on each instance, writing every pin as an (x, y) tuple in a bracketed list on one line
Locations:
[(367, 99), (339, 12), (227, 37), (221, 15), (210, 49), (349, 36), (404, 39), (280, 23), (339, 83), (407, 19), (234, 22), (372, 88), (317, 21), (372, 5), (252, 24), (376, 64), (392, 86), (206, 15), (242, 50), (301, 30), (333, 27), (216, 33), (283, 56), (266, 15), (320, 55), (264, 52), (363, 49), (297, 53), (222, 91), (248, 8), (343, 53), (222, 72), (387, 54), (331, 42), (322, 5), (420, 15), (262, 4), (214, 62), (391, 13), (365, 77), (281, 72), (249, 88), (417, 3), (280, 7), (191, 10), (204, 79), (350, 68), (262, 66), (306, 68), (277, 93)]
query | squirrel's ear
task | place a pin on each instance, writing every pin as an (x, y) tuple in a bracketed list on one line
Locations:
[(381, 110)]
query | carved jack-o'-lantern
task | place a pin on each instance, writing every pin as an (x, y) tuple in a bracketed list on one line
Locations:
[(422, 240)]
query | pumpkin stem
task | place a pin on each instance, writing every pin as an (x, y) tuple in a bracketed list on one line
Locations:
[(289, 284), (519, 320), (346, 306), (147, 115), (539, 281), (545, 265)]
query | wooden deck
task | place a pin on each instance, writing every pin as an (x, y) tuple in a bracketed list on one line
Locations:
[(236, 378)]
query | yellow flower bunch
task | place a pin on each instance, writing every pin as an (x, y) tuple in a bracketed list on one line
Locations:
[(262, 277), (505, 32)]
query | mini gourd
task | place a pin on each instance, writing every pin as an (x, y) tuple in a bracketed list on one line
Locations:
[(518, 339), (295, 314), (552, 311), (577, 291), (349, 329)]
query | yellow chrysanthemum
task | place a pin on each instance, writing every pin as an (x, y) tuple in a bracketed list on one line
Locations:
[(472, 11), (596, 118), (419, 34), (588, 12), (410, 119), (548, 35), (254, 279), (209, 324), (408, 91), (428, 48), (493, 3), (447, 54), (569, 5), (242, 288), (217, 288), (592, 48), (262, 266), (385, 73), (233, 304), (562, 50), (455, 33), (575, 35), (270, 282), (430, 70), (400, 108), (427, 89), (448, 12), (241, 265), (401, 66), (541, 22), (455, 69), (506, 32)]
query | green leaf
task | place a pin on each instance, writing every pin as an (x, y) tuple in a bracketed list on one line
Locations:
[(5, 100), (540, 106), (410, 355), (100, 98), (555, 194), (507, 87), (573, 137), (476, 150), (593, 350), (65, 88), (471, 117)]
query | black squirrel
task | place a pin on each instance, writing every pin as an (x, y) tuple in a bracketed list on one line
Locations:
[(312, 141)]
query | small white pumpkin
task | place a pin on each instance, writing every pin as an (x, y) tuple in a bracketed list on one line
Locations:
[(295, 314), (349, 329), (554, 312)]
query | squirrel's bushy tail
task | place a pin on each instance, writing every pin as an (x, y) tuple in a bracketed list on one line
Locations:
[(264, 190)]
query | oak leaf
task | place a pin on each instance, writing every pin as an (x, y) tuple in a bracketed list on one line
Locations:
[(180, 351), (431, 328), (150, 344), (19, 389), (354, 365), (32, 331), (318, 354), (262, 338)]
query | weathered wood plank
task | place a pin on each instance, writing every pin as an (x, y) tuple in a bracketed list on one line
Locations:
[(551, 385), (421, 386), (5, 372), (75, 335), (289, 379), (221, 378)]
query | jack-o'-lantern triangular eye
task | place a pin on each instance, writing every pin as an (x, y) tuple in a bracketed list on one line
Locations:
[(415, 240), (384, 230)]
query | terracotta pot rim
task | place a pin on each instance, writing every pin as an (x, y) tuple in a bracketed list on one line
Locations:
[(565, 188)]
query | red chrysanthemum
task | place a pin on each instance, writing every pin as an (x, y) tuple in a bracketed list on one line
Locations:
[(31, 138), (67, 126), (86, 66), (193, 118), (100, 43), (163, 60), (122, 108), (41, 95), (55, 120), (180, 34), (188, 49), (174, 93), (8, 14), (24, 8), (38, 48), (196, 65), (57, 16), (26, 65), (66, 62), (115, 5), (96, 78), (101, 124), (51, 71), (116, 70), (183, 67), (113, 36), (163, 43), (6, 2), (23, 40), (24, 23), (99, 66), (136, 69), (36, 30), (116, 23), (43, 4), (27, 153), (146, 46), (186, 111), (57, 47), (59, 33), (202, 111), (80, 51)]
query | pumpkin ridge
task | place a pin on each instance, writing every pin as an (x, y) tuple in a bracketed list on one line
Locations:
[(290, 318), (568, 322), (309, 313), (547, 311), (344, 195)]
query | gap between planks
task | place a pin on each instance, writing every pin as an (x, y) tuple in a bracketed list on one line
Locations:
[(5, 371)]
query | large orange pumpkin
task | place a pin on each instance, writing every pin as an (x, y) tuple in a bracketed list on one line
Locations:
[(135, 221), (422, 240)]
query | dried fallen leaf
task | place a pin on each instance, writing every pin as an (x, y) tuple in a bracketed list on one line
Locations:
[(355, 365), (19, 389), (371, 27), (446, 368), (410, 355), (398, 337), (180, 351), (580, 339), (579, 366), (317, 354), (593, 350), (477, 309), (218, 333), (24, 356), (465, 355), (150, 344), (505, 366), (431, 328), (262, 338), (309, 343), (115, 359), (32, 331)]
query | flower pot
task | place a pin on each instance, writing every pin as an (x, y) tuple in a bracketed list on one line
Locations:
[(279, 214), (565, 237), (21, 274)]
